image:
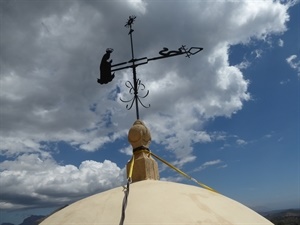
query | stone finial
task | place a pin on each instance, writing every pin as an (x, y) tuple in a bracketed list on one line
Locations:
[(144, 167), (139, 135)]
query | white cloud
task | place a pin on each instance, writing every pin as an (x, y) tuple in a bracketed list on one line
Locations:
[(127, 150), (257, 53), (280, 43), (241, 142), (270, 135), (33, 180), (139, 5), (223, 166), (283, 82), (208, 164), (243, 65), (294, 63), (291, 61), (186, 159)]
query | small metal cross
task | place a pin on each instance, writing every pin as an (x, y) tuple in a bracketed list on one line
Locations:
[(106, 68)]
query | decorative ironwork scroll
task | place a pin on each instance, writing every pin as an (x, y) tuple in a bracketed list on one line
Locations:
[(140, 86)]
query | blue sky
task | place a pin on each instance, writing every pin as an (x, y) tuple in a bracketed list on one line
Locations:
[(228, 116)]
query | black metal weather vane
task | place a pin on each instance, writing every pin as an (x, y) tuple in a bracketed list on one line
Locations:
[(106, 68)]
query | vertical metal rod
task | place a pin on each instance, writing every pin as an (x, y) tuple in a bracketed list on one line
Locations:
[(134, 76)]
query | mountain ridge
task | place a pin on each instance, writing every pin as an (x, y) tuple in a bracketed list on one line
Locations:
[(278, 217)]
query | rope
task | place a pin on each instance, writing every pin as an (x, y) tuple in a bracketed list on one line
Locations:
[(129, 180), (182, 173), (140, 148), (126, 191), (131, 168)]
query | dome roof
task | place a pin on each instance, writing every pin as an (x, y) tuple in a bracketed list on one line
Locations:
[(157, 202)]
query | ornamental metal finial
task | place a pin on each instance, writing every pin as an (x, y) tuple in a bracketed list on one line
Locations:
[(130, 21), (106, 68)]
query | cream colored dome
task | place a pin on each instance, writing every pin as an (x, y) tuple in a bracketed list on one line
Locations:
[(157, 202), (154, 202)]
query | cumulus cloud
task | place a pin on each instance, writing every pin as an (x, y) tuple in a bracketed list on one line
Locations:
[(32, 180), (50, 54)]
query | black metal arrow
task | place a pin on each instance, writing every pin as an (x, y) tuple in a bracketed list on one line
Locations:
[(165, 53)]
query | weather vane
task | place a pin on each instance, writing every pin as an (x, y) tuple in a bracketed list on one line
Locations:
[(107, 69)]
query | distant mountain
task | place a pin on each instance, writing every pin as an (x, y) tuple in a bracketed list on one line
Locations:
[(278, 217), (284, 217), (32, 220)]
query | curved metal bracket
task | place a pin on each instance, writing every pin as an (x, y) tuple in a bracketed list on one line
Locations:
[(140, 87)]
